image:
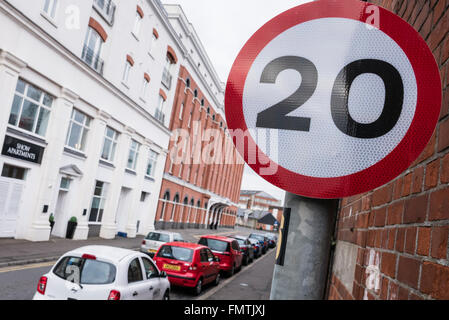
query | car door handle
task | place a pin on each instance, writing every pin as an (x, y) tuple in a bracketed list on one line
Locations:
[(151, 288), (135, 294)]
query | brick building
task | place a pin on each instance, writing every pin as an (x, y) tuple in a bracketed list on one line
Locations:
[(197, 193), (392, 243), (255, 205)]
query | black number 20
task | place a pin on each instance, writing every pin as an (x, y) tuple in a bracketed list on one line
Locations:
[(276, 117)]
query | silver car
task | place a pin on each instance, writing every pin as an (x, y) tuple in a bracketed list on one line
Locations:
[(155, 239)]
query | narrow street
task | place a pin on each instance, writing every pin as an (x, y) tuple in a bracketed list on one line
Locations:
[(253, 282)]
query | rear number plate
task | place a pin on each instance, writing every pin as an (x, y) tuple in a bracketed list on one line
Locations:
[(171, 267)]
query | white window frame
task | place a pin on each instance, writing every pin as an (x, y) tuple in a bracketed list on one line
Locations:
[(85, 125), (152, 42), (152, 160), (137, 25), (144, 92), (181, 111), (134, 148), (101, 205), (126, 72), (113, 140), (50, 8), (98, 44), (40, 104)]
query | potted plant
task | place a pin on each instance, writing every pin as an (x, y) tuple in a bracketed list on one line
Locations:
[(71, 227), (51, 219)]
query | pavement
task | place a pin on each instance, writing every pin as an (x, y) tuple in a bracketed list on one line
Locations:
[(21, 252)]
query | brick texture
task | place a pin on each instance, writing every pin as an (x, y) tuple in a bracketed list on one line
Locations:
[(406, 222)]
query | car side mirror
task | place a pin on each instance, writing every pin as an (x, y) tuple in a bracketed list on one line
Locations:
[(217, 259), (163, 274)]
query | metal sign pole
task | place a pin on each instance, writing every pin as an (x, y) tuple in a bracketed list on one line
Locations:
[(304, 249)]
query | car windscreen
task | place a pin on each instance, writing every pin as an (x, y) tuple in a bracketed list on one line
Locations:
[(156, 236), (241, 241), (85, 271), (176, 253), (215, 245), (257, 236)]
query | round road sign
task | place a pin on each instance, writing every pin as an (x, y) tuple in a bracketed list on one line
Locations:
[(340, 97)]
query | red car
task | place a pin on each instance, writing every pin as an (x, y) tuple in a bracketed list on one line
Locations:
[(188, 265), (227, 249)]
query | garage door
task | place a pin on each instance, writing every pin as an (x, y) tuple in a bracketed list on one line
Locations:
[(10, 198)]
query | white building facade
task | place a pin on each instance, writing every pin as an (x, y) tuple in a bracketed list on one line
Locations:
[(86, 98)]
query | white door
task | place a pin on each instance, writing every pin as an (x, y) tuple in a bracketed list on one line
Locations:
[(60, 222), (10, 198), (122, 210)]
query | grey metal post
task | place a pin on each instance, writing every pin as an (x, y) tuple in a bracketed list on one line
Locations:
[(306, 262)]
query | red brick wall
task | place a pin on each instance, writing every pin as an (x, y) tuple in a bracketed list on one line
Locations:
[(401, 230)]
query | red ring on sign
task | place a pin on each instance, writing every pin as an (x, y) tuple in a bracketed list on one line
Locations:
[(421, 129)]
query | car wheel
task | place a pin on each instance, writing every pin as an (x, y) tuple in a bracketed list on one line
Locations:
[(199, 287), (217, 279), (167, 295)]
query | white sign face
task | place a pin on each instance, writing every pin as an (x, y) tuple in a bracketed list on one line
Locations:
[(350, 104), (330, 44)]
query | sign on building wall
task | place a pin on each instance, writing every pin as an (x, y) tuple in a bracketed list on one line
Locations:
[(22, 150)]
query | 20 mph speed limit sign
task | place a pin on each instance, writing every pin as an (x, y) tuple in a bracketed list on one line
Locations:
[(339, 97)]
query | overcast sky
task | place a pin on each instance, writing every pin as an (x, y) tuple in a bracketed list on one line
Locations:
[(224, 26)]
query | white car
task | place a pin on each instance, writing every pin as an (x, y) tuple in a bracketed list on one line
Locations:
[(104, 273), (155, 239)]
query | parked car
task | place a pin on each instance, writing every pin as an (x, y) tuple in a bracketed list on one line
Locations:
[(227, 249), (263, 240), (155, 239), (272, 239), (188, 265), (104, 273), (246, 248), (256, 246)]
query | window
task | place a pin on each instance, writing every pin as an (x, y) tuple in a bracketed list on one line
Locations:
[(144, 92), (98, 202), (150, 269), (176, 253), (65, 184), (166, 76), (181, 111), (13, 172), (153, 41), (215, 245), (160, 116), (203, 256), (50, 8), (190, 120), (126, 72), (188, 83), (92, 50), (152, 161), (195, 93), (135, 271), (137, 24), (109, 145), (30, 108), (78, 130), (90, 272), (133, 155)]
